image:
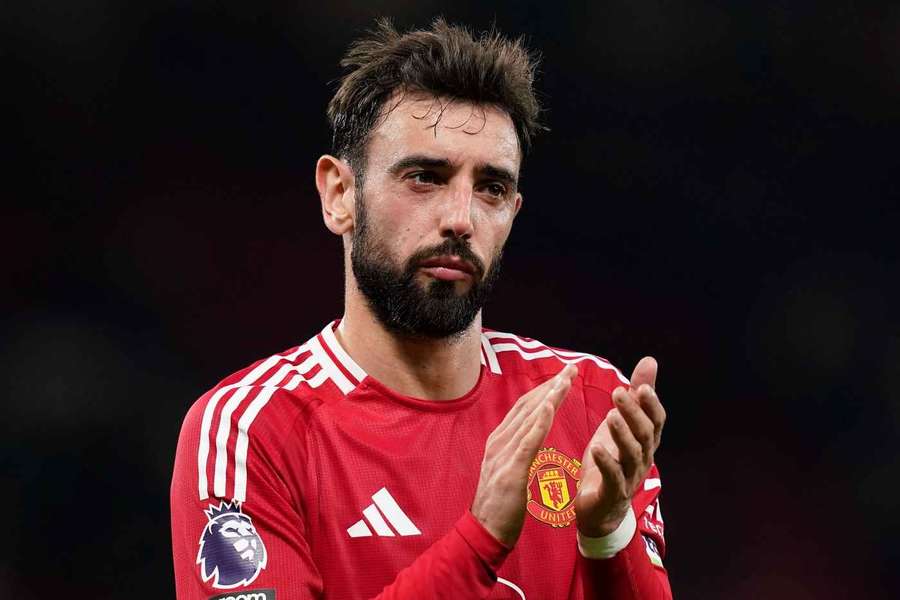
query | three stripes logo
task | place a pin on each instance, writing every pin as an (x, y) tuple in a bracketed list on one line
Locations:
[(383, 510)]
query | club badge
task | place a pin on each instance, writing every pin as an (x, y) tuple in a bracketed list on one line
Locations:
[(553, 481), (231, 551)]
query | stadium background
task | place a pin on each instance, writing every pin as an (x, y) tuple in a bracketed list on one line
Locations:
[(719, 188)]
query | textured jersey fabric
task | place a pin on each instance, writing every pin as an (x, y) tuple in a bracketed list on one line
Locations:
[(302, 477)]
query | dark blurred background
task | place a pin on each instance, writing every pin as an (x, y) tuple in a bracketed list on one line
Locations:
[(719, 188)]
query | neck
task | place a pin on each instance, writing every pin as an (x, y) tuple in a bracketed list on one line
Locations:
[(431, 369)]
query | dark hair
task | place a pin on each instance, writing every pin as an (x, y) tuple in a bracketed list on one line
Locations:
[(445, 60)]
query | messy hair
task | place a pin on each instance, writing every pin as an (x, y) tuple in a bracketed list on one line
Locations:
[(446, 61)]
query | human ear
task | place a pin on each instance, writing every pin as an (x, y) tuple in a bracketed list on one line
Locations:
[(518, 204), (335, 182)]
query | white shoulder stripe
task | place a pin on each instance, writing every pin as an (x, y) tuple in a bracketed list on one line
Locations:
[(287, 376), (318, 379), (545, 353), (206, 423), (243, 444), (577, 357), (224, 430), (222, 438), (301, 369), (521, 346), (294, 382), (328, 367), (345, 359), (490, 354), (522, 342)]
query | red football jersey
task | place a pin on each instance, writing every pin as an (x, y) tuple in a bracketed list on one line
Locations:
[(302, 477)]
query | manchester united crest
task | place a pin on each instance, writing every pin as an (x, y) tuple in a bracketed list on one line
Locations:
[(553, 481)]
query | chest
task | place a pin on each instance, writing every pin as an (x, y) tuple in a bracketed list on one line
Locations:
[(385, 486)]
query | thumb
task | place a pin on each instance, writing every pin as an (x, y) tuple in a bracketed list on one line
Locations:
[(644, 372)]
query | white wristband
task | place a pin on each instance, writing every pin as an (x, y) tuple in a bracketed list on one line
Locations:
[(609, 545)]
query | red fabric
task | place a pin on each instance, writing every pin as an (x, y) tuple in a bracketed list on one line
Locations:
[(486, 546), (626, 576), (467, 558), (629, 575), (320, 443)]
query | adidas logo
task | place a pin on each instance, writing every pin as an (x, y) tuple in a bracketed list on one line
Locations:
[(383, 510)]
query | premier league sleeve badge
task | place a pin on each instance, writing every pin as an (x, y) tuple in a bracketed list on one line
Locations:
[(231, 552)]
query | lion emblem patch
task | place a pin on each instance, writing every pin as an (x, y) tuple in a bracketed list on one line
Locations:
[(231, 551)]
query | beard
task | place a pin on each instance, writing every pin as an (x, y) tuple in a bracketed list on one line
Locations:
[(403, 305)]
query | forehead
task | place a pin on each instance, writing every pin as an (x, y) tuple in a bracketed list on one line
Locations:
[(461, 131)]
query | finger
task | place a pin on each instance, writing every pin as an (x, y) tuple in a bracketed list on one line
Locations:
[(534, 435), (528, 402), (560, 389), (525, 401), (535, 428), (602, 436), (538, 420), (644, 372), (654, 409), (613, 477), (638, 421), (524, 405), (631, 455)]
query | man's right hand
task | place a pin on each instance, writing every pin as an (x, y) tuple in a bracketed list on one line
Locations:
[(501, 496)]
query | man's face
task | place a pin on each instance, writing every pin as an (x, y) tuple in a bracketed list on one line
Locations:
[(434, 211)]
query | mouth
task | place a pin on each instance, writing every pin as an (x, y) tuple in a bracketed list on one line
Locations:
[(448, 268)]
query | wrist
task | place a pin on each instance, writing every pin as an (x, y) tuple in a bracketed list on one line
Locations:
[(607, 546), (605, 527), (503, 533), (491, 550)]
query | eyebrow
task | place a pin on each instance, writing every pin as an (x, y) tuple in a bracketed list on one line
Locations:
[(499, 173), (430, 162), (419, 160)]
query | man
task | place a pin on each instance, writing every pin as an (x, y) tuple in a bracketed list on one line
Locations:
[(404, 451)]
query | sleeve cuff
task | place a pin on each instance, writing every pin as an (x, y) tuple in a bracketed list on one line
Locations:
[(608, 546), (485, 545)]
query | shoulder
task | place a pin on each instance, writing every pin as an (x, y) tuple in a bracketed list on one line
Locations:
[(254, 411), (511, 353), (292, 381)]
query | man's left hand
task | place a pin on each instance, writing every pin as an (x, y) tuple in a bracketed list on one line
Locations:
[(620, 453)]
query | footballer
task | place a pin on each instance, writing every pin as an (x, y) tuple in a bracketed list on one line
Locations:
[(405, 451)]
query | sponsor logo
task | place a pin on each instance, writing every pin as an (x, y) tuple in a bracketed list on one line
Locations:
[(268, 594), (231, 552), (383, 510), (653, 526), (553, 481), (652, 550)]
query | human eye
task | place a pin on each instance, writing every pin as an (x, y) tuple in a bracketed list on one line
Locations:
[(422, 178), (495, 189)]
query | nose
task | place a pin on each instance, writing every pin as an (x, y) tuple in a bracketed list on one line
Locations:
[(456, 218)]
